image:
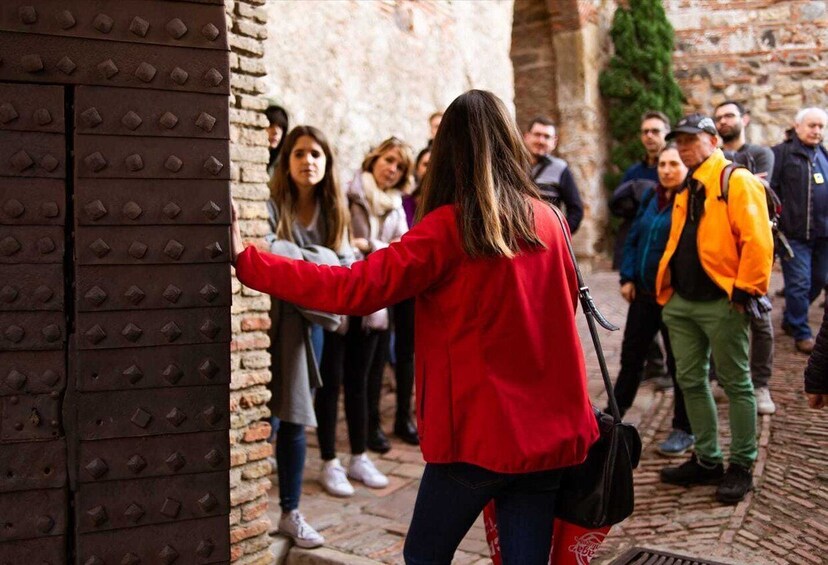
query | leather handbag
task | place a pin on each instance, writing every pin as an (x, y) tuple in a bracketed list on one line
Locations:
[(599, 492)]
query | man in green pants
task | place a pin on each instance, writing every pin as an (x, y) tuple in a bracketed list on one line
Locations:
[(718, 258)]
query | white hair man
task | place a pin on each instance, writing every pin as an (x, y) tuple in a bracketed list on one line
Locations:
[(800, 178)]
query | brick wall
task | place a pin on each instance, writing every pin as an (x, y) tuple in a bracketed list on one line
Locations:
[(249, 524), (771, 55)]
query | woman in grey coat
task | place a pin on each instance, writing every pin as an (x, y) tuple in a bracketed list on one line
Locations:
[(309, 221)]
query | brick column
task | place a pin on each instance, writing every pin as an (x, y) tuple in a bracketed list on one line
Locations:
[(249, 523)]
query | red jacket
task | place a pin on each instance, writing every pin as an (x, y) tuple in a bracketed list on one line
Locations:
[(499, 367)]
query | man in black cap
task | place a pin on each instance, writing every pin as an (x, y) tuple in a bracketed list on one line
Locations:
[(717, 262)]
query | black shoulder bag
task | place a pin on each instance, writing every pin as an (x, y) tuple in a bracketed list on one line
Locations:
[(599, 491)]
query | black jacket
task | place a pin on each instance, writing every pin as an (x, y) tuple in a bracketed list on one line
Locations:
[(791, 180), (816, 373)]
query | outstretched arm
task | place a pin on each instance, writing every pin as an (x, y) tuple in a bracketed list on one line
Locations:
[(423, 257)]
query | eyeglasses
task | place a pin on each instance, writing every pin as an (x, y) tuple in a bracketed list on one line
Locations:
[(729, 116), (653, 131)]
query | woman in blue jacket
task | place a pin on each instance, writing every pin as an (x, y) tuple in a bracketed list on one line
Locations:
[(642, 252)]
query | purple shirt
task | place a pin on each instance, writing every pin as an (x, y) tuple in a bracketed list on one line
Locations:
[(410, 206)]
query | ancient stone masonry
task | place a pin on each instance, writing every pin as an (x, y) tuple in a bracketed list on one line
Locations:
[(770, 55), (250, 360), (380, 68), (533, 58)]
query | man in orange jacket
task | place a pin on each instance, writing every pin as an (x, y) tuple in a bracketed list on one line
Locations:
[(717, 259)]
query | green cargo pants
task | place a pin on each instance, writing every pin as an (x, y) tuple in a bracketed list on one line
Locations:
[(695, 329)]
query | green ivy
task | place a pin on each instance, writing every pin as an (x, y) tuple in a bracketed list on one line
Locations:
[(639, 77)]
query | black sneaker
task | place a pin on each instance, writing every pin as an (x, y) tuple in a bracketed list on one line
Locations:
[(693, 472), (737, 482)]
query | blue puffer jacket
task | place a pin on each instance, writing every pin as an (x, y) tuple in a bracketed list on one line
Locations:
[(646, 242)]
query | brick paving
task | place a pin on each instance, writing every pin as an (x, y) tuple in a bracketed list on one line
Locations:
[(784, 521)]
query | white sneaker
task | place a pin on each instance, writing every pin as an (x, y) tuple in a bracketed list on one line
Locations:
[(334, 480), (293, 524), (361, 469), (764, 402)]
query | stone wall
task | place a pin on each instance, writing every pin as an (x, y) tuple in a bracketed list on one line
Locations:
[(770, 55), (558, 48), (249, 524), (533, 58), (363, 71)]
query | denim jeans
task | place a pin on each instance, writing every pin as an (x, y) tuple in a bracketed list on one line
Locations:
[(452, 496), (805, 276)]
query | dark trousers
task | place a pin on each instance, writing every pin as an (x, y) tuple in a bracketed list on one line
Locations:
[(404, 352), (402, 315), (376, 369), (805, 276), (345, 362), (453, 495), (643, 323)]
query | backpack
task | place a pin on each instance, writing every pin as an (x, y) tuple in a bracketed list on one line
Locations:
[(626, 199), (771, 198)]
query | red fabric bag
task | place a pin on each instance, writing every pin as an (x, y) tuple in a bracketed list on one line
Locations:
[(571, 544)]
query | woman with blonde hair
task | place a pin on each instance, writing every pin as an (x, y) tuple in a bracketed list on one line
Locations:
[(501, 383), (378, 218)]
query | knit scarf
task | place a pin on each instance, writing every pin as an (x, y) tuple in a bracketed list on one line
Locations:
[(380, 202)]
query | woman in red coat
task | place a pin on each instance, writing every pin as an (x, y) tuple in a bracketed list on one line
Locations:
[(502, 404)]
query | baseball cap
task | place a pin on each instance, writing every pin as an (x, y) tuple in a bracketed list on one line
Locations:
[(692, 124)]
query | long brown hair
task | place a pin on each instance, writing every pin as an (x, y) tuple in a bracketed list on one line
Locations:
[(333, 212), (479, 162), (405, 153)]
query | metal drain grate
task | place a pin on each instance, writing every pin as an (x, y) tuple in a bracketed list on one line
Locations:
[(645, 556)]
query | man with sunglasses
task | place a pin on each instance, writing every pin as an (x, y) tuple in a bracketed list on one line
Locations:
[(638, 177)]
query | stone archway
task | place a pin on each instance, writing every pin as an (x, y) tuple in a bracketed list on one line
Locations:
[(556, 54)]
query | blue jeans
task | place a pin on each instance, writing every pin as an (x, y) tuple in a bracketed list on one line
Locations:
[(291, 446), (805, 276), (453, 495)]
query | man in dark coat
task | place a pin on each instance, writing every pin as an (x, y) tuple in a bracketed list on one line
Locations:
[(800, 178)]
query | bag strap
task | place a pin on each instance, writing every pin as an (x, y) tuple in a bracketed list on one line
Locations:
[(592, 314)]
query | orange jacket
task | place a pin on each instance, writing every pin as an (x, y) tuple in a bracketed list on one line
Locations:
[(734, 238)]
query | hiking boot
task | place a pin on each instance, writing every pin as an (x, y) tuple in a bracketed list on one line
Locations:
[(764, 402), (677, 444), (805, 345), (363, 470), (334, 480), (293, 525), (735, 485), (693, 472), (377, 441), (787, 329)]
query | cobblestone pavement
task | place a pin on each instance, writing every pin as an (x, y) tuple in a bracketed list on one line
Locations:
[(784, 521)]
